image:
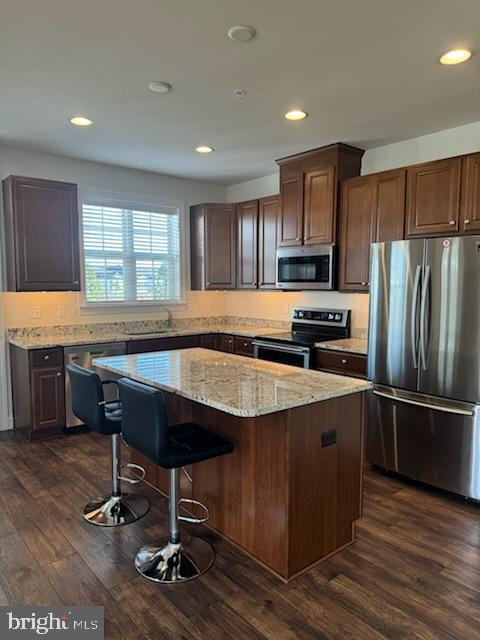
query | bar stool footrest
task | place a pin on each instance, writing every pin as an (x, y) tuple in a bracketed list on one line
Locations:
[(136, 478), (191, 519)]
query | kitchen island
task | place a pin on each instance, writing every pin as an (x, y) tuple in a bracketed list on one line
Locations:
[(290, 492)]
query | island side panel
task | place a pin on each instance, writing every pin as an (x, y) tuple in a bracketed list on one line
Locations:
[(324, 481), (246, 491)]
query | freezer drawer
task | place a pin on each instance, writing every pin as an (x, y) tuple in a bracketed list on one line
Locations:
[(425, 438)]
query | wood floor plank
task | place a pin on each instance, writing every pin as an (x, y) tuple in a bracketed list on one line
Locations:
[(414, 573)]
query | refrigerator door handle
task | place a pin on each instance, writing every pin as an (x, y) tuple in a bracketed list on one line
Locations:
[(424, 320), (414, 318), (426, 405)]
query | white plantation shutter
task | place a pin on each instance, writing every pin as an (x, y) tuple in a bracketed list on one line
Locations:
[(131, 255)]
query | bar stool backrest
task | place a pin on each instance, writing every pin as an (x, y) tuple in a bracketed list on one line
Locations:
[(144, 421), (87, 392)]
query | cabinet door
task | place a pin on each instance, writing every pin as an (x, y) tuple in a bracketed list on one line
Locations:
[(247, 249), (226, 343), (268, 223), (388, 192), (356, 230), (471, 194), (433, 198), (319, 207), (209, 341), (244, 346), (220, 247), (291, 209), (48, 401), (42, 222)]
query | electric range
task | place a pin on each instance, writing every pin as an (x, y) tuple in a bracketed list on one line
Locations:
[(309, 325)]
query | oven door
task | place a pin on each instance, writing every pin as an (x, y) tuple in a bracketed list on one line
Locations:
[(305, 267), (282, 353)]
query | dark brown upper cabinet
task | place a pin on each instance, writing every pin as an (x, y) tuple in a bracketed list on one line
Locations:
[(356, 233), (213, 246), (433, 198), (42, 239), (268, 231), (372, 210), (470, 219), (309, 185), (291, 208), (319, 206), (388, 205), (247, 245)]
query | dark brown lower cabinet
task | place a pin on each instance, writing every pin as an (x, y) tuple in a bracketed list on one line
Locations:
[(38, 387), (342, 362), (243, 346), (163, 344)]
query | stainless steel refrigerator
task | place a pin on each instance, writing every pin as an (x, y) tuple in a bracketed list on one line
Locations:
[(423, 417)]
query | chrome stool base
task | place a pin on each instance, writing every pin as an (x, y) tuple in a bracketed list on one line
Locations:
[(172, 563), (114, 511)]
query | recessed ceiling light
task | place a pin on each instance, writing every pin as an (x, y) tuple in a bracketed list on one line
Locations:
[(159, 87), (80, 121), (296, 114), (203, 148), (241, 33), (455, 56)]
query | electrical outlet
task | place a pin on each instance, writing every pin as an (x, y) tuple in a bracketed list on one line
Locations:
[(34, 313), (61, 311)]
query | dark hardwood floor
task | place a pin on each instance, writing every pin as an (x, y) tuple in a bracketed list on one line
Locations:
[(413, 574)]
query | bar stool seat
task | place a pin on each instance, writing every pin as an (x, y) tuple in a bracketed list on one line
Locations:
[(145, 428)]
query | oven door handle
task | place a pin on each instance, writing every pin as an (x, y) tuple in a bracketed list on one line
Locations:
[(280, 347)]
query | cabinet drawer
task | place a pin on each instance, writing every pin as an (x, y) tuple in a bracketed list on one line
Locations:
[(352, 364), (243, 346), (46, 358), (209, 341)]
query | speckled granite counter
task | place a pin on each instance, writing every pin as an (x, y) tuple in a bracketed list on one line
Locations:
[(351, 345), (100, 334), (234, 384)]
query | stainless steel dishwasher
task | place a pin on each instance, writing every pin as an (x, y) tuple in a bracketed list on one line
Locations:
[(83, 356)]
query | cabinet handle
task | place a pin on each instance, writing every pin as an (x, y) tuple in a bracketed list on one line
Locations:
[(245, 344), (344, 361), (297, 239), (76, 282), (452, 222), (466, 222), (254, 284), (59, 374), (364, 284), (47, 357)]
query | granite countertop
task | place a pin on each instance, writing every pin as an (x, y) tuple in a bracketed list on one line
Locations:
[(352, 345), (234, 384), (52, 340)]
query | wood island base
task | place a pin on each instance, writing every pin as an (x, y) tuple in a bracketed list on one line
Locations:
[(290, 492)]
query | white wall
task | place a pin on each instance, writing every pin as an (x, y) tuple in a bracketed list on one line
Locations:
[(434, 146)]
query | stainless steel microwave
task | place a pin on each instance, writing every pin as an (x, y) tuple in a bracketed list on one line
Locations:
[(307, 267)]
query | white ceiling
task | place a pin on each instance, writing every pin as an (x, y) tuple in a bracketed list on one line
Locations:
[(366, 72)]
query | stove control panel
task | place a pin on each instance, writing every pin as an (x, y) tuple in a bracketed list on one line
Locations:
[(332, 317)]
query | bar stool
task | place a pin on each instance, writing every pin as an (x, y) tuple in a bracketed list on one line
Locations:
[(89, 405), (145, 428)]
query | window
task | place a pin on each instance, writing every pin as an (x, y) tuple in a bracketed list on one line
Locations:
[(131, 254)]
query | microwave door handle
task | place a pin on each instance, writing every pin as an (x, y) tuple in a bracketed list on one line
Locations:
[(414, 317)]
